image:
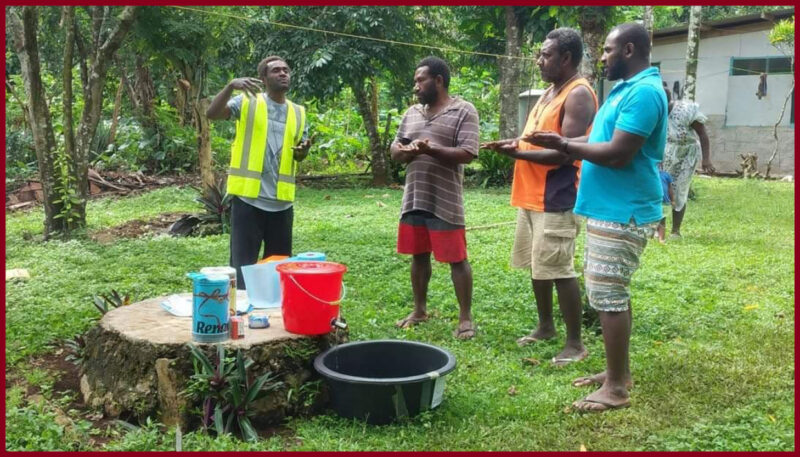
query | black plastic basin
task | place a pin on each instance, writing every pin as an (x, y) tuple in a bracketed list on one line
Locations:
[(383, 380)]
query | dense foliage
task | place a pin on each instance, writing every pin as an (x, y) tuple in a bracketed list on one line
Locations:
[(204, 47)]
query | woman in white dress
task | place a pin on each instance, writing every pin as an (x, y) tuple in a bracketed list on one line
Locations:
[(686, 140)]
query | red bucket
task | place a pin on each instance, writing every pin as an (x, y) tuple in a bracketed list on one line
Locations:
[(312, 292)]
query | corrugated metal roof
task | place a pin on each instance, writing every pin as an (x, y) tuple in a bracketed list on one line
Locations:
[(728, 22)]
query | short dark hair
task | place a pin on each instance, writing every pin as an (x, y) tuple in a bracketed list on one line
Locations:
[(262, 66), (633, 32), (436, 67), (569, 40)]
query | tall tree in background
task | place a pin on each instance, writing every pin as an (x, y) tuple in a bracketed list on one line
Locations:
[(322, 64), (692, 48), (95, 53), (594, 22), (647, 21), (193, 45), (510, 69), (23, 28), (504, 30), (782, 37)]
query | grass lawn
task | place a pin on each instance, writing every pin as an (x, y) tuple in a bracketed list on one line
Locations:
[(712, 349)]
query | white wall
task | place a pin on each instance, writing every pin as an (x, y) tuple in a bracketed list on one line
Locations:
[(739, 123), (744, 108), (717, 92)]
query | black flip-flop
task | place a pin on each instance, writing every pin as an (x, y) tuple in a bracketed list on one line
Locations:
[(458, 332)]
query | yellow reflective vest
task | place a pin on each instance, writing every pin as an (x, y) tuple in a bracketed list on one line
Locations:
[(250, 144)]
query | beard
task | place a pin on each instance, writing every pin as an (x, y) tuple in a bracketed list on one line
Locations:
[(427, 97), (615, 71)]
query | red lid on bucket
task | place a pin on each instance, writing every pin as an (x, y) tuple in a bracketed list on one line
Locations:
[(315, 267)]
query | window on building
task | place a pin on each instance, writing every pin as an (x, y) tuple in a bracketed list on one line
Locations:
[(756, 65)]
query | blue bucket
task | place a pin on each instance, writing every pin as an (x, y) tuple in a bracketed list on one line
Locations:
[(210, 315), (310, 257)]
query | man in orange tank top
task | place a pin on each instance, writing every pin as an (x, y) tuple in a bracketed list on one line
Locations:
[(544, 189)]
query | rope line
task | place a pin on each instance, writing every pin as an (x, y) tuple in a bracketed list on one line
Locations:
[(360, 37), (450, 49)]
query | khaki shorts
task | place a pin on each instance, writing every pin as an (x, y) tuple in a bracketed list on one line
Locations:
[(545, 243)]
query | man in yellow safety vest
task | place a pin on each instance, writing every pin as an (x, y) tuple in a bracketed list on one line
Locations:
[(271, 138)]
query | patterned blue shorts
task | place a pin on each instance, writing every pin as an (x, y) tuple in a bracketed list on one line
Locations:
[(611, 257)]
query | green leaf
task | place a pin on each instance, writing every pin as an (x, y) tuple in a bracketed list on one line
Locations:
[(218, 420), (221, 355), (229, 422), (201, 357), (248, 431), (256, 388), (240, 368)]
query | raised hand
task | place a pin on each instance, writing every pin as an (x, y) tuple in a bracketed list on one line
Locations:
[(250, 86)]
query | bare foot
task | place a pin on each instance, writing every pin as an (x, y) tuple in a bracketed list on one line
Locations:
[(596, 380), (464, 331), (411, 320), (570, 355), (537, 335), (603, 399)]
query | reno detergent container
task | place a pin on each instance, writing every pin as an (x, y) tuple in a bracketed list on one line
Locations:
[(210, 315)]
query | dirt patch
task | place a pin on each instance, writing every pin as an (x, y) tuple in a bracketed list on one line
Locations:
[(136, 228), (67, 383)]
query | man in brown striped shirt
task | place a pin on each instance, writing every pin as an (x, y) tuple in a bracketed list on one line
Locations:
[(436, 138)]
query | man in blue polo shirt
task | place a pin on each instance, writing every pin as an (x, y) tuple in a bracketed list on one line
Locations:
[(620, 195)]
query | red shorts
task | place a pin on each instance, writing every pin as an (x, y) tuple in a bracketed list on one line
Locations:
[(421, 232)]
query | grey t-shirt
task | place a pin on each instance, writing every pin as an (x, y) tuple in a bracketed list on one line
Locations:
[(267, 196)]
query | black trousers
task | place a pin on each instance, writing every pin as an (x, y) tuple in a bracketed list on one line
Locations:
[(252, 227)]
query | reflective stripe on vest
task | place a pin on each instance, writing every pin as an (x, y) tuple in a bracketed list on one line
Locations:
[(250, 144)]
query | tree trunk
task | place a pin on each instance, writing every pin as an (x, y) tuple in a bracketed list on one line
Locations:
[(206, 161), (509, 76), (102, 54), (69, 130), (183, 96), (648, 20), (145, 91), (775, 127), (23, 38), (592, 21), (692, 48), (135, 365), (112, 132), (377, 154)]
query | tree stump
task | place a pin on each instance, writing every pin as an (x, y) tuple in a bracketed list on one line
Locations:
[(137, 362)]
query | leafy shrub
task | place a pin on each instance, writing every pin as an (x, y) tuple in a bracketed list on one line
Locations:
[(226, 390)]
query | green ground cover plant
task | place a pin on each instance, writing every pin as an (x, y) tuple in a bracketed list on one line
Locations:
[(712, 346)]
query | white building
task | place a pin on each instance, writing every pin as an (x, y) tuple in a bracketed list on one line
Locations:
[(733, 55)]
